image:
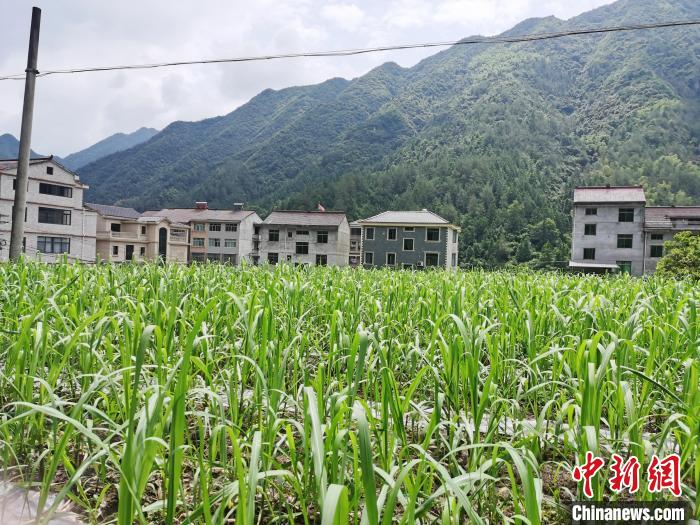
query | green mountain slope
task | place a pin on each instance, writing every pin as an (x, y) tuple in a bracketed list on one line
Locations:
[(492, 137), (112, 144)]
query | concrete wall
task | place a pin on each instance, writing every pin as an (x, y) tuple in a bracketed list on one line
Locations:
[(608, 228), (337, 249), (381, 245), (81, 231)]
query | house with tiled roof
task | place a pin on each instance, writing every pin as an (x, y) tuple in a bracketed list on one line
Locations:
[(305, 237), (614, 230), (216, 235), (409, 239), (126, 235), (56, 224)]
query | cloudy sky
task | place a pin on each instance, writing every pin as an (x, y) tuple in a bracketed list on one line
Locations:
[(74, 111)]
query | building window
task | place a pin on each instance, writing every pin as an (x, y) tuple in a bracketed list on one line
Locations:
[(290, 234), (321, 260), (54, 216), (369, 234), (273, 235), (656, 250), (199, 226), (625, 266), (273, 257), (289, 257), (53, 244), (198, 242), (302, 248), (357, 232), (143, 230), (214, 227), (407, 266), (454, 260), (591, 211), (626, 215), (49, 170), (302, 232), (432, 234), (229, 243), (589, 254), (391, 259), (369, 258), (624, 241), (589, 229), (198, 257), (55, 189), (115, 227), (214, 243), (322, 237), (391, 234), (142, 251), (409, 229), (408, 245), (454, 236), (115, 250), (657, 236), (432, 259), (231, 227)]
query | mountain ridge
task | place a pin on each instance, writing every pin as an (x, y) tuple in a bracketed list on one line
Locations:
[(492, 137), (107, 146)]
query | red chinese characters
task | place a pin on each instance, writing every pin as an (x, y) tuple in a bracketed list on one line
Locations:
[(665, 474), (587, 472), (624, 474)]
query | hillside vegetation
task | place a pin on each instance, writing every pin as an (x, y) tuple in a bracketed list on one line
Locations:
[(492, 137)]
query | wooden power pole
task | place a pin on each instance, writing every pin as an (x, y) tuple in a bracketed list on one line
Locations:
[(25, 139)]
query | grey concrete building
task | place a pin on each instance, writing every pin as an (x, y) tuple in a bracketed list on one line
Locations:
[(613, 230), (216, 235), (56, 224), (409, 239), (305, 237)]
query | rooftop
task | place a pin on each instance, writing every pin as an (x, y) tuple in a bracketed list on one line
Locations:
[(608, 194), (406, 217), (108, 210), (305, 218), (664, 216), (185, 215)]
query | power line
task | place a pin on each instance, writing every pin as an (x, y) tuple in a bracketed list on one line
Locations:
[(362, 51)]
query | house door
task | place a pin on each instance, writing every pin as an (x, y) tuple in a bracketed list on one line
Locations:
[(163, 243), (129, 252)]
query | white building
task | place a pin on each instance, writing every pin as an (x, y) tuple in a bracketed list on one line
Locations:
[(56, 223), (226, 236)]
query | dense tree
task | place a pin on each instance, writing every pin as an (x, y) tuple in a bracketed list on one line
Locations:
[(682, 258)]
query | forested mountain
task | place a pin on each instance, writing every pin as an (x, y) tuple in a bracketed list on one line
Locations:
[(9, 147), (493, 137), (112, 144)]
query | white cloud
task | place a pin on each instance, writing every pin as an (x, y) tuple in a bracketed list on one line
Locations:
[(74, 111), (345, 16)]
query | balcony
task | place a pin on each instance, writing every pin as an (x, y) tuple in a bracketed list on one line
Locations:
[(122, 236)]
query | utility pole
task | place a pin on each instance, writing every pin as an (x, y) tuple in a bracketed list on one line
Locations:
[(25, 139)]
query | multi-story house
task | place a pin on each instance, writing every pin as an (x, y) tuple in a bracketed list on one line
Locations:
[(613, 230), (216, 235), (56, 223), (409, 239), (301, 237), (124, 235), (355, 244)]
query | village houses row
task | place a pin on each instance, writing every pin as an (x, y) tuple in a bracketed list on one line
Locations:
[(59, 224), (613, 230)]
